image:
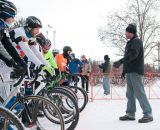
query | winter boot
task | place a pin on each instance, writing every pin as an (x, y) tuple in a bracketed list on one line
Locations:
[(127, 118)]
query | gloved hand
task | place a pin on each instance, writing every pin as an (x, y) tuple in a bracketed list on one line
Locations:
[(22, 63), (47, 69), (19, 70), (117, 64), (123, 75), (11, 63)]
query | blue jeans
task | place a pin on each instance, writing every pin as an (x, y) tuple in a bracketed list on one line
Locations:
[(106, 85), (135, 89)]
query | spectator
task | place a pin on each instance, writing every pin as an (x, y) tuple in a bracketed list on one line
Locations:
[(106, 67), (85, 71)]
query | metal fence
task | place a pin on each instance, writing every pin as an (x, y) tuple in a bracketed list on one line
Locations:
[(118, 87)]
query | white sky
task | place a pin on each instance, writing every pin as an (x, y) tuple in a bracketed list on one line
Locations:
[(75, 22)]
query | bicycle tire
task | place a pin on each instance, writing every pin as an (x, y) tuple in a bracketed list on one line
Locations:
[(84, 94), (8, 115), (34, 116), (75, 118)]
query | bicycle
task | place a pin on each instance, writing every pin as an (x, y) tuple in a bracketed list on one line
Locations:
[(63, 98), (81, 95), (28, 107)]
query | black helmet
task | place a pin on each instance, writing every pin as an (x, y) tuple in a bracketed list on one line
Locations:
[(7, 9), (48, 42), (41, 39), (33, 22), (67, 48), (47, 45)]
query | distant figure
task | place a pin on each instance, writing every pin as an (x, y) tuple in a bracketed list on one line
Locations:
[(133, 67), (74, 66), (106, 67), (85, 71)]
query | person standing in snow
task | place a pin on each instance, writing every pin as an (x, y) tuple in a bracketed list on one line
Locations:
[(106, 67), (133, 67), (85, 71)]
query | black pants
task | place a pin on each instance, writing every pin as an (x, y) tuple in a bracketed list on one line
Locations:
[(85, 82), (75, 79)]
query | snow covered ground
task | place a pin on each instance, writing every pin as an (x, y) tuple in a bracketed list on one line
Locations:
[(104, 115)]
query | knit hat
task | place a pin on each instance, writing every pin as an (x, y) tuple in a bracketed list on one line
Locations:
[(106, 57), (132, 28)]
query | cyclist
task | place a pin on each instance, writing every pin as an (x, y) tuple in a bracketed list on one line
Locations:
[(64, 58), (24, 40), (45, 48), (55, 52), (74, 67), (8, 54), (62, 63)]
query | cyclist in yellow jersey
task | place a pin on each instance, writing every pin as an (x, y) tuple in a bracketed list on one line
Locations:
[(45, 45)]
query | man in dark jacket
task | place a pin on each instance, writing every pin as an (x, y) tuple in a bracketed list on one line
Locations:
[(133, 67), (106, 67)]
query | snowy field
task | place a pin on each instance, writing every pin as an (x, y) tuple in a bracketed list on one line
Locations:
[(104, 115)]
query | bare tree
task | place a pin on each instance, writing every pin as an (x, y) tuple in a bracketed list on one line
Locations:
[(142, 12), (19, 23)]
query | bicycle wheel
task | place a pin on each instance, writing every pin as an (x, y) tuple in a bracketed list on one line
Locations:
[(68, 89), (67, 105), (9, 121), (29, 109), (81, 95)]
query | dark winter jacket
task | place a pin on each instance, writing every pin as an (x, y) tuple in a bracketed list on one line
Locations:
[(106, 67), (133, 60), (74, 66)]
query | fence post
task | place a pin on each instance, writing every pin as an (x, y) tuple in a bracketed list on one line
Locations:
[(91, 83)]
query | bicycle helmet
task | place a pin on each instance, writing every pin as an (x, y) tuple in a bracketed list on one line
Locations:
[(33, 22), (44, 43), (66, 49), (47, 44), (55, 51), (7, 9), (41, 39)]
